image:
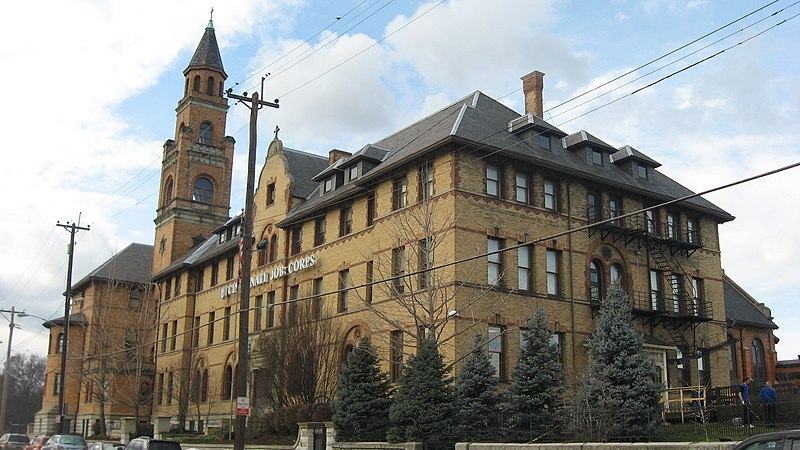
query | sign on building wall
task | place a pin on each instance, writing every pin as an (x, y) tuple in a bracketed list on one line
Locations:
[(270, 275)]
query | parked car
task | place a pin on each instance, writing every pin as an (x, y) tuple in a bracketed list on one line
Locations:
[(778, 440), (37, 442), (106, 446), (13, 441), (65, 442), (146, 443)]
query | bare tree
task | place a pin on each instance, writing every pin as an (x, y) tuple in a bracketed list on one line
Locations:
[(298, 361), (25, 387)]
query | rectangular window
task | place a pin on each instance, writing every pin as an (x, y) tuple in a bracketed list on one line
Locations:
[(496, 339), (557, 342), (493, 261), (693, 231), (524, 268), (522, 187), (294, 292), (593, 206), (370, 208), (168, 289), (329, 184), (344, 284), (400, 193), (492, 180), (676, 281), (57, 385), (230, 268), (164, 337), (270, 193), (170, 387), (319, 231), (426, 180), (614, 207), (544, 141), (226, 324), (697, 297), (651, 225), (259, 313), (317, 302), (370, 279), (211, 325), (671, 226), (641, 171), (346, 220), (174, 338), (196, 332), (199, 279), (553, 270), (270, 309), (161, 389), (398, 269), (655, 290), (297, 239), (177, 286), (353, 172), (425, 263), (395, 355), (214, 274), (597, 158), (550, 195)]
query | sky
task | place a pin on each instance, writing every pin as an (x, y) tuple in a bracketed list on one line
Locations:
[(94, 84)]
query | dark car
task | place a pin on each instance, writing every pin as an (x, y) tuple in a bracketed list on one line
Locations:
[(106, 446), (145, 443), (13, 441), (37, 442), (778, 440), (65, 442)]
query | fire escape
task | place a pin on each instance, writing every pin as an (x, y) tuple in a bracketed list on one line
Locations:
[(671, 300)]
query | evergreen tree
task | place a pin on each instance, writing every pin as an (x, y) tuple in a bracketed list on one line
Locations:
[(536, 386), (361, 408), (423, 408), (620, 387), (476, 394)]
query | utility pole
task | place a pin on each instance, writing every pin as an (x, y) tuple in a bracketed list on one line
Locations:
[(13, 312), (72, 228), (245, 253)]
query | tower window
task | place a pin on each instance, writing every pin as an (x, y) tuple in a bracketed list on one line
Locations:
[(168, 188), (205, 133), (210, 86), (196, 85), (203, 190)]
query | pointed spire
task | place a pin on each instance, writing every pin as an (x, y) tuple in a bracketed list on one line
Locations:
[(207, 53), (211, 19)]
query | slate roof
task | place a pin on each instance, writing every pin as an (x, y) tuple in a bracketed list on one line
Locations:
[(132, 264), (741, 307), (207, 52), (303, 167), (627, 152), (74, 319), (482, 122)]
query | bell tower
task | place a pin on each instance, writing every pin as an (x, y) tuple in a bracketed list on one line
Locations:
[(196, 168)]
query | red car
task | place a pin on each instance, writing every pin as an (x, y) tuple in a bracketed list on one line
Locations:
[(37, 442)]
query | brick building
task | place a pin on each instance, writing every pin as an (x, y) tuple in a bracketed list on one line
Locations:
[(458, 224), (109, 356)]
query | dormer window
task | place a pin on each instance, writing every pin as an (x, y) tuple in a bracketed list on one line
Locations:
[(222, 237), (328, 185), (597, 157), (642, 171), (544, 141), (353, 172)]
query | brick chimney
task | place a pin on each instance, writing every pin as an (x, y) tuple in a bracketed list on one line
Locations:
[(335, 155), (532, 87)]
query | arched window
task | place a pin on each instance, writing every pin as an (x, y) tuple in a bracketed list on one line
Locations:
[(210, 86), (196, 85), (168, 191), (227, 383), (221, 87), (615, 273), (595, 282), (130, 343), (263, 248), (273, 248), (186, 87), (60, 343), (203, 190), (205, 133), (757, 353), (197, 385)]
